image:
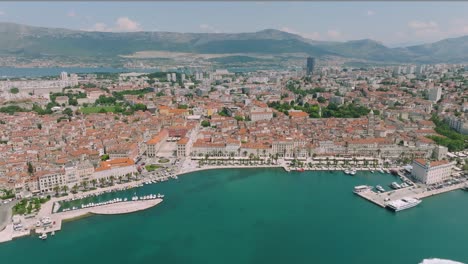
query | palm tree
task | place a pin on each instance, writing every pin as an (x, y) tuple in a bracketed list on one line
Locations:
[(112, 178), (120, 179), (75, 188), (102, 181), (93, 182), (56, 190), (84, 184), (65, 188)]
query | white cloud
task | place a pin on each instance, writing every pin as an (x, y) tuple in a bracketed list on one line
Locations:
[(370, 12), (209, 28), (313, 35), (422, 25), (458, 26), (99, 27), (425, 29), (71, 14), (122, 24), (126, 24), (334, 34)]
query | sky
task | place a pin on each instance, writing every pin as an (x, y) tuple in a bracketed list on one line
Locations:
[(392, 23)]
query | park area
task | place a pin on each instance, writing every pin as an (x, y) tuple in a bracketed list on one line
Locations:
[(97, 109)]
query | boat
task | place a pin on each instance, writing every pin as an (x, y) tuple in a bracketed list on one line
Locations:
[(353, 172), (53, 233), (395, 185), (347, 172), (403, 204), (381, 170), (380, 188), (361, 188), (372, 171), (160, 195), (300, 169), (43, 236)]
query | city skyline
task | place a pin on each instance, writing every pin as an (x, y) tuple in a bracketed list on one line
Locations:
[(394, 24)]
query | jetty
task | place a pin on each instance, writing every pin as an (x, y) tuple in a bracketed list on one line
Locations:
[(415, 191), (56, 219)]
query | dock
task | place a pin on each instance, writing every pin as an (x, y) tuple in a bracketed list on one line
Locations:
[(418, 192), (57, 219)]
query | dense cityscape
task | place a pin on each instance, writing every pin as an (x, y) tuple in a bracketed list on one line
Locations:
[(204, 113)]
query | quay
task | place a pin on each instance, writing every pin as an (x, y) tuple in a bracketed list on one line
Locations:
[(416, 191), (56, 219)]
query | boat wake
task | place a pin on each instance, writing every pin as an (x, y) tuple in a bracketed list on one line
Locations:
[(439, 261)]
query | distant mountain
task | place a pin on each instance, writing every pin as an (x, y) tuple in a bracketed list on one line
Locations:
[(22, 40)]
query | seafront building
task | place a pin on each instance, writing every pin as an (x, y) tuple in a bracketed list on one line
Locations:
[(430, 172), (229, 116)]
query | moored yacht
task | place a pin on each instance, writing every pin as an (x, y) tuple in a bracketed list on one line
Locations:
[(361, 188), (43, 236), (380, 188), (402, 204), (395, 185)]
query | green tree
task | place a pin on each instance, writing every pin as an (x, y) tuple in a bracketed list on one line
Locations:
[(205, 123), (30, 168), (14, 90)]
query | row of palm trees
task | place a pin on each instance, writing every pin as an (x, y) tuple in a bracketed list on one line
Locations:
[(83, 185)]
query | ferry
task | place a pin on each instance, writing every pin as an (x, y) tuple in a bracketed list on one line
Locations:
[(402, 204), (361, 188), (395, 185), (380, 188)]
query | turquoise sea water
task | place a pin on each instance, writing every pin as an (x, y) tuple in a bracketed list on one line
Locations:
[(259, 216)]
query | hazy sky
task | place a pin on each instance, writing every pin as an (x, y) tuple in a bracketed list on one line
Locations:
[(391, 23)]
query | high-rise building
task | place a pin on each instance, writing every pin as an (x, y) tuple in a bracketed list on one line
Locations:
[(310, 66), (64, 76), (174, 79), (435, 94)]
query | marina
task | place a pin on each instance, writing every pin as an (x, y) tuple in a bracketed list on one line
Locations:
[(407, 192), (199, 209)]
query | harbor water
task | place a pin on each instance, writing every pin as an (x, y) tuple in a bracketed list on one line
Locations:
[(259, 216)]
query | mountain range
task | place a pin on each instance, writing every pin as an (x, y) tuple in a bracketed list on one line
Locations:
[(28, 41)]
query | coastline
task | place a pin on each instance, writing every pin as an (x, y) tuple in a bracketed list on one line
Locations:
[(186, 167)]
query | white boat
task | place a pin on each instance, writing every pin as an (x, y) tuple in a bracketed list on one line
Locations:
[(43, 236), (361, 188), (353, 172), (347, 172), (53, 233), (372, 171), (380, 188), (381, 170), (402, 204), (160, 195), (395, 185)]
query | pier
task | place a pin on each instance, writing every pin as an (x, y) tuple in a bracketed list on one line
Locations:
[(56, 219), (418, 192)]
